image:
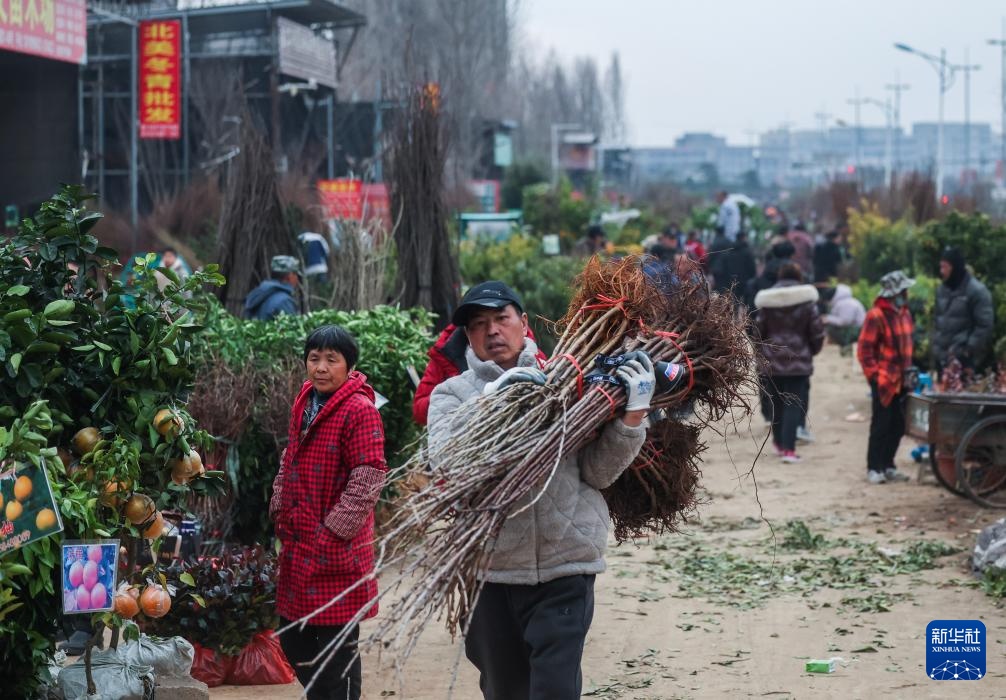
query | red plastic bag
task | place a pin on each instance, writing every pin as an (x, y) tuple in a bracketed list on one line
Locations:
[(210, 667), (262, 662)]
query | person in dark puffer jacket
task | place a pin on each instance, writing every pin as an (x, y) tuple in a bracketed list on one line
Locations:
[(963, 317), (790, 331)]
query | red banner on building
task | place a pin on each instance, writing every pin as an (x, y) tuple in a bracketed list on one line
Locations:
[(54, 29), (160, 79), (341, 198)]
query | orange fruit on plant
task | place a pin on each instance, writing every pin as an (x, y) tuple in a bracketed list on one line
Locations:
[(167, 423), (125, 602), (22, 488), (155, 601), (46, 519), (113, 493), (155, 528), (85, 440), (13, 510), (139, 508), (185, 468)]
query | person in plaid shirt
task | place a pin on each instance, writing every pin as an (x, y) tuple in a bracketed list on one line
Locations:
[(885, 352), (331, 475)]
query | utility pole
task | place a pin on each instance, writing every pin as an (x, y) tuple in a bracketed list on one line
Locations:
[(858, 102), (897, 87), (1001, 43), (966, 68)]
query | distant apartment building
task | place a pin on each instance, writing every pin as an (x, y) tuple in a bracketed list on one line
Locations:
[(807, 157), (695, 156)]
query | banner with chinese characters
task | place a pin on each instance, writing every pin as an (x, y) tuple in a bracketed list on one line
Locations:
[(160, 79), (341, 198), (54, 29)]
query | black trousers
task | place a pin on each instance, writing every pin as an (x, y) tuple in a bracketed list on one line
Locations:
[(527, 641), (301, 646), (887, 427), (789, 408)]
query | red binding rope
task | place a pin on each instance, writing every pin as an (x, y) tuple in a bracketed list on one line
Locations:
[(607, 396), (579, 371)]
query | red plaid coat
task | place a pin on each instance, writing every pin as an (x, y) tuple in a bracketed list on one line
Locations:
[(885, 347), (342, 447)]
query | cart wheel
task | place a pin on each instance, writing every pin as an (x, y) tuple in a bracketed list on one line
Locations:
[(944, 480), (981, 462)]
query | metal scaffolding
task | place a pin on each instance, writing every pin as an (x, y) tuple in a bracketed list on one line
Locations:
[(110, 153)]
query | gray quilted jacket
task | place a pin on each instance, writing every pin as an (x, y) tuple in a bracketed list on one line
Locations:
[(565, 533)]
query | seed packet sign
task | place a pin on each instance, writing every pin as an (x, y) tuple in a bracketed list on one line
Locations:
[(89, 575), (27, 509)]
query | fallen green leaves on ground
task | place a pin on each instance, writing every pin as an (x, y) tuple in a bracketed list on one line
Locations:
[(994, 582), (801, 563)]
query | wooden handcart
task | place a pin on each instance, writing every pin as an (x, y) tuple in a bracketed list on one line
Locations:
[(966, 434)]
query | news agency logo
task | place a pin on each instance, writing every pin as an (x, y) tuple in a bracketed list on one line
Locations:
[(955, 650)]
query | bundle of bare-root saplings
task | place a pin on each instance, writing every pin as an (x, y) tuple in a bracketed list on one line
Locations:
[(440, 540)]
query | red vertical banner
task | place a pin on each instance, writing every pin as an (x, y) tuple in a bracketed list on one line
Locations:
[(160, 79)]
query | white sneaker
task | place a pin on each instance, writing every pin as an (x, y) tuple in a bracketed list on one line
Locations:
[(804, 435), (893, 474), (876, 477), (790, 457)]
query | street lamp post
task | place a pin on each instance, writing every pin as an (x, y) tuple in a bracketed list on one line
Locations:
[(946, 73)]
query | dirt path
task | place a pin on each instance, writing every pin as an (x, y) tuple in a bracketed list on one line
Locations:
[(723, 610)]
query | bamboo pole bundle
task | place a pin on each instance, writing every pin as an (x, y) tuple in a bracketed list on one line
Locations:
[(509, 444)]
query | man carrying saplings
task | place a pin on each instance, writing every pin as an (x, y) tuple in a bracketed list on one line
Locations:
[(528, 628)]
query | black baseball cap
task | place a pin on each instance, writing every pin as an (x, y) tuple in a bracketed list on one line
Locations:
[(488, 295)]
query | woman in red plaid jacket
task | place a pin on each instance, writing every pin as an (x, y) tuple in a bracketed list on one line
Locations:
[(885, 352), (323, 502)]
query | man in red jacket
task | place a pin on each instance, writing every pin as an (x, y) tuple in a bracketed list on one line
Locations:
[(447, 359)]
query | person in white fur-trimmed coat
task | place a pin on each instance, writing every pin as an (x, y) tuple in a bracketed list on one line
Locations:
[(790, 333)]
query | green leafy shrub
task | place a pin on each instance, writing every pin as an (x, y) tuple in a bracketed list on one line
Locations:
[(516, 178), (557, 210), (880, 245)]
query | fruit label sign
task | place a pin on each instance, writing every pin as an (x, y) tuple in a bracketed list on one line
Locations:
[(89, 575), (27, 509)]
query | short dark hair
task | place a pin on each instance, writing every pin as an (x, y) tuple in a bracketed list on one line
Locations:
[(336, 338), (790, 271), (169, 249), (595, 231)]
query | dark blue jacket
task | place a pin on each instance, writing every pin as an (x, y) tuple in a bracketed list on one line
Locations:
[(270, 299)]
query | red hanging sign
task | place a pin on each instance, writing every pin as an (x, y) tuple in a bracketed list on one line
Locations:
[(342, 198), (160, 79)]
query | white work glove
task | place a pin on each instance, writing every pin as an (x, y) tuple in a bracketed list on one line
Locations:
[(514, 375), (639, 381)]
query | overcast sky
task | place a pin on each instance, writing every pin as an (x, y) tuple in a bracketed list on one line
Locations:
[(733, 66)]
